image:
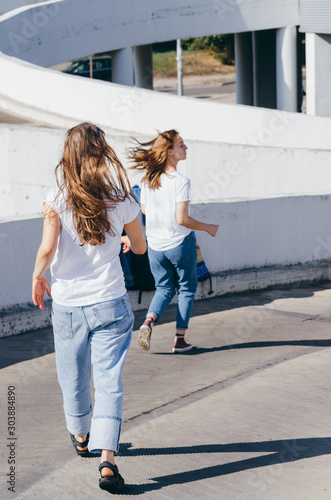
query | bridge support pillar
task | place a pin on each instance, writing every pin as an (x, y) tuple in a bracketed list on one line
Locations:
[(286, 68), (318, 74), (264, 68), (143, 65), (122, 66), (244, 68)]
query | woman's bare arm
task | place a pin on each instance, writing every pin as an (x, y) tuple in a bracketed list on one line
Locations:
[(136, 237), (45, 256), (184, 219)]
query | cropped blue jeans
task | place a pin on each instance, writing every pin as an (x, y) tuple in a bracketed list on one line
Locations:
[(175, 269), (100, 335)]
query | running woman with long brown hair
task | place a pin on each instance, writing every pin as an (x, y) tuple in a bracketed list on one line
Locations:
[(91, 314), (165, 200)]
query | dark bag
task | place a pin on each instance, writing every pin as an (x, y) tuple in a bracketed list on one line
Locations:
[(202, 271), (136, 269)]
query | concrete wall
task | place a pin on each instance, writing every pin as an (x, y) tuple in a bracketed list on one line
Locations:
[(61, 31), (19, 241), (254, 234), (60, 100), (260, 243), (218, 171), (11, 5)]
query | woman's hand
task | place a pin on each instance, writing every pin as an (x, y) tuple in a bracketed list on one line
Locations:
[(126, 244), (213, 228), (38, 290), (135, 237)]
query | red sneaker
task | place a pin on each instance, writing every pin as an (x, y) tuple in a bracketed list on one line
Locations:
[(181, 345), (144, 338)]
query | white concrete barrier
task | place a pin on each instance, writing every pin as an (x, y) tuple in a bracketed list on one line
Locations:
[(260, 243), (61, 100), (218, 171)]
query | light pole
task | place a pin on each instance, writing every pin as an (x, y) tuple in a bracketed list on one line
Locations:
[(179, 59)]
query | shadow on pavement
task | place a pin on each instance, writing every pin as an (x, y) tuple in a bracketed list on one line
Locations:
[(250, 345), (250, 298), (279, 452), (31, 345)]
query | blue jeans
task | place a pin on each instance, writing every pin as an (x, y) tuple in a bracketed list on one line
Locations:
[(175, 268), (101, 334)]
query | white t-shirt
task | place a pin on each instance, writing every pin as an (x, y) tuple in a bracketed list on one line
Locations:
[(85, 275), (162, 230)]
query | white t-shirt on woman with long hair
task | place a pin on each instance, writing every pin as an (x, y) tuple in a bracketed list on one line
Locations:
[(162, 230), (85, 275)]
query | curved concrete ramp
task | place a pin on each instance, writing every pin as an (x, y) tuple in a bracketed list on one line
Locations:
[(54, 99), (60, 30)]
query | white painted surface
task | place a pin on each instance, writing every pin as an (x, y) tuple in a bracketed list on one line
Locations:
[(122, 66), (253, 234), (66, 30), (267, 232), (10, 5), (311, 73), (286, 68), (61, 100), (218, 172), (19, 241)]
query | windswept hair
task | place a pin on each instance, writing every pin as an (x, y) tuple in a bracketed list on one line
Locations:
[(151, 157), (92, 180)]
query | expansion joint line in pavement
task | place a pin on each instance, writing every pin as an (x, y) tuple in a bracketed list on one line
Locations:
[(210, 389)]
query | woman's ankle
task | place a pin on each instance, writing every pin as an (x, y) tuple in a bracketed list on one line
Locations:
[(107, 456), (180, 333), (81, 439)]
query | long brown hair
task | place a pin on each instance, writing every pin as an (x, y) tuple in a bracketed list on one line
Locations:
[(151, 157), (88, 184)]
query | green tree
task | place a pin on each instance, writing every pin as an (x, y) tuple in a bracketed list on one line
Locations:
[(221, 45)]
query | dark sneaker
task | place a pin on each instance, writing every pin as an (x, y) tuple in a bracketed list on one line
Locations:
[(144, 338), (181, 345)]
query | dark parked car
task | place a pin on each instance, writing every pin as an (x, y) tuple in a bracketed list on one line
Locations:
[(101, 68)]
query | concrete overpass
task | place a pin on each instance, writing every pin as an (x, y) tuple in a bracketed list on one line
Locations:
[(50, 32)]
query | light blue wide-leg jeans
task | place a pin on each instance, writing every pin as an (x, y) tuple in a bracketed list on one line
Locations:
[(99, 334), (175, 268)]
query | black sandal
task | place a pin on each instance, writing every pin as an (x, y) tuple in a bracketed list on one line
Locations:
[(78, 444), (114, 483)]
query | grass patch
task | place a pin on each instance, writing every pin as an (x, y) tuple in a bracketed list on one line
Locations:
[(200, 62)]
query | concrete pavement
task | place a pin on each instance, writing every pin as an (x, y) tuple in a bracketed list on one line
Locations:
[(243, 416)]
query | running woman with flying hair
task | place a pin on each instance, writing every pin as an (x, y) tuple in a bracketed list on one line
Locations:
[(165, 200)]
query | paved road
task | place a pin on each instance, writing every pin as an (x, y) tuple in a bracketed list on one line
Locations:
[(243, 416), (208, 89)]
